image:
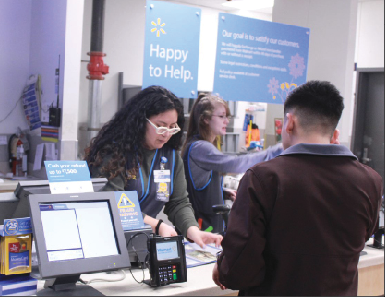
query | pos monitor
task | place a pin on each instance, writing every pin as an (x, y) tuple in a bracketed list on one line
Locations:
[(26, 188), (74, 234)]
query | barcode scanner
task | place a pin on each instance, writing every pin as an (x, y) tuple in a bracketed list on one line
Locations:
[(224, 210)]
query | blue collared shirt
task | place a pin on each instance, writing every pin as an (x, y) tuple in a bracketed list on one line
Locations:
[(319, 149)]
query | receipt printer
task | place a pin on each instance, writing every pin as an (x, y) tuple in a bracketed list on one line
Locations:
[(167, 263)]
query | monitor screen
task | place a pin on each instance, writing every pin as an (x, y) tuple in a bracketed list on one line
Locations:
[(71, 230), (25, 188), (77, 233), (166, 250)]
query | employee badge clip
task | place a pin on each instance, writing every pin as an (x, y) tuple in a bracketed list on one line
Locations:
[(162, 178), (163, 161)]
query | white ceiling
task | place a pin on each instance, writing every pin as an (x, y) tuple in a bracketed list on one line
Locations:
[(217, 4)]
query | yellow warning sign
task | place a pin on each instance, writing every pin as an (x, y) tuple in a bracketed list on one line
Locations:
[(124, 202)]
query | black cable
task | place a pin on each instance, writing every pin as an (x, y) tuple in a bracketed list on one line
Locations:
[(10, 112), (143, 273), (135, 235), (138, 258)]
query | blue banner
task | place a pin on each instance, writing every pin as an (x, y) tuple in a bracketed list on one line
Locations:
[(62, 170), (171, 53), (129, 210), (259, 61)]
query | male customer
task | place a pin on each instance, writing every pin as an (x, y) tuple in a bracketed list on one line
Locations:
[(300, 220)]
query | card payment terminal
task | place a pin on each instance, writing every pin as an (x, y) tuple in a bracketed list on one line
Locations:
[(167, 263)]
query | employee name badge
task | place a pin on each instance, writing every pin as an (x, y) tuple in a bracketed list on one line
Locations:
[(162, 178)]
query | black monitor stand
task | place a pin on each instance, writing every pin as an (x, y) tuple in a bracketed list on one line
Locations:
[(66, 287), (378, 239)]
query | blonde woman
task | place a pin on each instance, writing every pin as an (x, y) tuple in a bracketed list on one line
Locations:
[(204, 163)]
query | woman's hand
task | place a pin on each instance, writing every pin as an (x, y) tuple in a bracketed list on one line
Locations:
[(166, 230), (230, 194), (202, 238)]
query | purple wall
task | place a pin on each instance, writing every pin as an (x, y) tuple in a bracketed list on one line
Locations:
[(48, 21), (15, 20)]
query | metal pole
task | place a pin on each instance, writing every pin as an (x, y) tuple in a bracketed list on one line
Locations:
[(96, 67), (95, 96)]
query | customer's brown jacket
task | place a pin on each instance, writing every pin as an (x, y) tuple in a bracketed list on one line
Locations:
[(299, 224)]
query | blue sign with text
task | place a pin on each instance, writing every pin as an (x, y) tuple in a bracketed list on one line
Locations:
[(259, 61), (16, 226), (171, 53), (62, 170), (129, 210)]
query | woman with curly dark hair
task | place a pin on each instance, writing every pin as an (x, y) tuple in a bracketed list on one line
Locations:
[(136, 150)]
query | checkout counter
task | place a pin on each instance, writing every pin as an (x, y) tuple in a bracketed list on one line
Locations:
[(371, 272), (199, 283), (199, 279), (8, 185)]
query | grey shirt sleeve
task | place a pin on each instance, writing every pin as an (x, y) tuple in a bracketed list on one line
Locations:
[(179, 209), (204, 155)]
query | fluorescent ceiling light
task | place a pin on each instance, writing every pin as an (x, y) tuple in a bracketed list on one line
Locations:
[(249, 4)]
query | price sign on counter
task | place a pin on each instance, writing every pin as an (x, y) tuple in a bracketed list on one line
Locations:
[(68, 176), (129, 209)]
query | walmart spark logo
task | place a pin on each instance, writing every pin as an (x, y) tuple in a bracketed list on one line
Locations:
[(158, 27)]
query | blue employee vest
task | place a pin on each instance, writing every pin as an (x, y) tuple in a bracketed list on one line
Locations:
[(147, 193), (204, 197)]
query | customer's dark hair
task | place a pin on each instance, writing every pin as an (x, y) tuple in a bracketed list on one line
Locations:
[(124, 135), (317, 104)]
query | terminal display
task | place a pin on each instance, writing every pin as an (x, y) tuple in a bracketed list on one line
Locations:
[(72, 230), (167, 250)]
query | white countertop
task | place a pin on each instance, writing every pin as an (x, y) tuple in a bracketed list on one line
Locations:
[(9, 185), (199, 283), (373, 257), (199, 280)]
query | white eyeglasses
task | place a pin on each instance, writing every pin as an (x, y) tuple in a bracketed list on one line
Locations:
[(162, 130)]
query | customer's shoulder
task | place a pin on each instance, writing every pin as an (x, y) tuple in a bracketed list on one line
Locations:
[(272, 165), (370, 172)]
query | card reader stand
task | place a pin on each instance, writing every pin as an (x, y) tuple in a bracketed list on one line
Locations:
[(137, 246), (167, 263)]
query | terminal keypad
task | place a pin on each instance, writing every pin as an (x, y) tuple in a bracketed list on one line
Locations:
[(168, 273)]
